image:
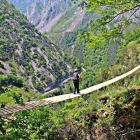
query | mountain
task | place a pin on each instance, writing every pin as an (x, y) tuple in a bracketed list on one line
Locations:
[(72, 20), (54, 16), (45, 14), (21, 5), (26, 53)]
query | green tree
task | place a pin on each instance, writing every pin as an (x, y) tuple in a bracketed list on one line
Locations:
[(111, 22), (1, 65)]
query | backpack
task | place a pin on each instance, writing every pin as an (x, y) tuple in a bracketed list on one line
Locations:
[(75, 76)]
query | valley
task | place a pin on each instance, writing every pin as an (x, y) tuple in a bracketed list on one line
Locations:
[(42, 42)]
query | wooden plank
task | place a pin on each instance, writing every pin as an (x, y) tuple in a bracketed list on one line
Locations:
[(17, 108), (1, 113), (12, 108), (32, 105), (20, 107), (62, 98), (47, 102), (9, 110), (32, 102), (43, 103), (28, 107), (5, 111), (38, 104)]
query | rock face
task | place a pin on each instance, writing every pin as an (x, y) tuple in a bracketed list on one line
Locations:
[(45, 14)]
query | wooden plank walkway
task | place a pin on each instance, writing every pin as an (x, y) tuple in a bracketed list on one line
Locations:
[(44, 102)]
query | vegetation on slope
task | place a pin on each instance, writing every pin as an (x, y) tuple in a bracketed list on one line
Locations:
[(26, 52), (128, 58), (96, 116)]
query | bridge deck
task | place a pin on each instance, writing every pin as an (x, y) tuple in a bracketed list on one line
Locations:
[(34, 104)]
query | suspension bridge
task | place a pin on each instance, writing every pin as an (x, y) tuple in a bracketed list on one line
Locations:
[(44, 102)]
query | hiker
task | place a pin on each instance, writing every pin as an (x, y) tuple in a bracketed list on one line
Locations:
[(76, 77)]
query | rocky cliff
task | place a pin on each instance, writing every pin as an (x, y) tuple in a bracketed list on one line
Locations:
[(45, 14)]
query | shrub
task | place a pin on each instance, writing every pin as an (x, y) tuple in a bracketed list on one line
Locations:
[(1, 72), (1, 65), (11, 79)]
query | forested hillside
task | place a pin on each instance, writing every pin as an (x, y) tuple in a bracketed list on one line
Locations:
[(111, 113), (25, 53)]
